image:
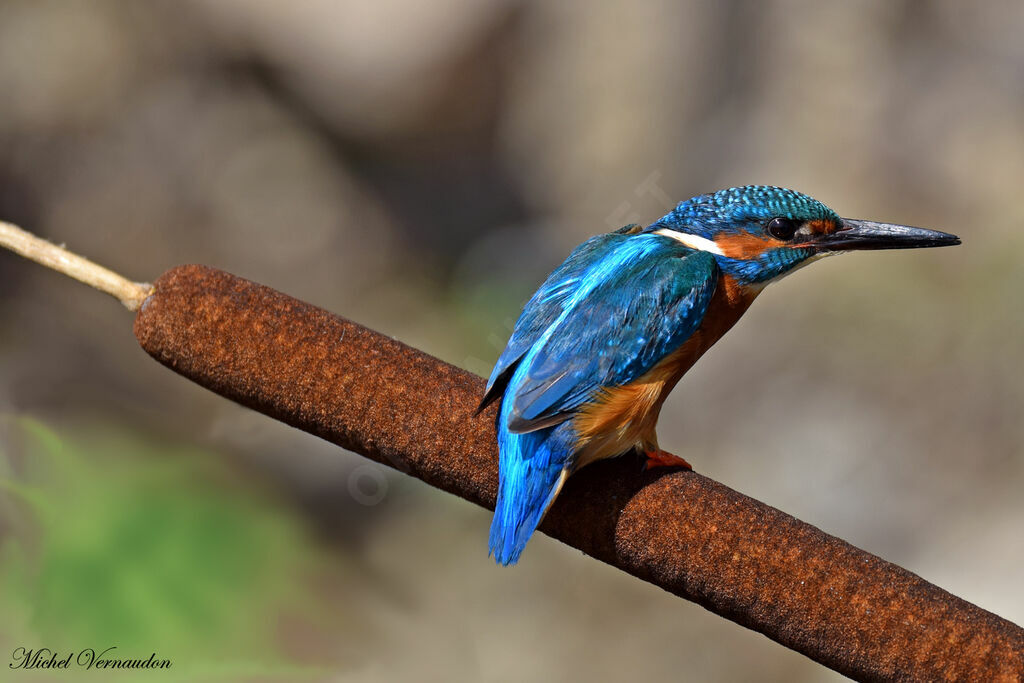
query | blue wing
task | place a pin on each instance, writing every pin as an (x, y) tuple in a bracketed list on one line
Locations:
[(545, 306), (609, 314), (638, 299)]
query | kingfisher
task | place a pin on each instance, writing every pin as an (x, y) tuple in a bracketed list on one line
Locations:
[(597, 349)]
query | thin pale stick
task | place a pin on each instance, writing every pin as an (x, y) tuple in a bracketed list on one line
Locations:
[(129, 293)]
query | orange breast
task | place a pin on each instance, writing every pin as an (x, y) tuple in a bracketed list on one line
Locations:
[(624, 417)]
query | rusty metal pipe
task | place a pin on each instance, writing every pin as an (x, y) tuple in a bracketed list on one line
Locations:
[(746, 561)]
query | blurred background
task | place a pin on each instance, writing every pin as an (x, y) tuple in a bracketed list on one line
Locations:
[(419, 168)]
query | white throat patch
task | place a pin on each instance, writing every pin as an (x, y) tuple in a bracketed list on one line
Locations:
[(693, 241)]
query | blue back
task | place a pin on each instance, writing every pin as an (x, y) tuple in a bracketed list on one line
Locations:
[(616, 307), (642, 298)]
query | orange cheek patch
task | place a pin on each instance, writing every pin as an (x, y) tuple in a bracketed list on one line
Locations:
[(822, 226), (743, 245)]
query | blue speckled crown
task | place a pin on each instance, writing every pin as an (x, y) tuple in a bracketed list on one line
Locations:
[(739, 207)]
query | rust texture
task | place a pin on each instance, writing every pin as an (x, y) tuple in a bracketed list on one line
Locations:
[(694, 537)]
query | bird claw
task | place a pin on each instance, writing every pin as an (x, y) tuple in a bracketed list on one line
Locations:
[(664, 459)]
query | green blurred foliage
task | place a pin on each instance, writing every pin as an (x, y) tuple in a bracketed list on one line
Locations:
[(116, 540)]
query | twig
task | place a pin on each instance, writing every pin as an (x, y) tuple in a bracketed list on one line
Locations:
[(129, 293)]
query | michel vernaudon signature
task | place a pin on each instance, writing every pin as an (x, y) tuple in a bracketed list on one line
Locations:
[(88, 658)]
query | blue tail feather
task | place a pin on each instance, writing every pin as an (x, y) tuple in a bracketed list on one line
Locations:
[(531, 468)]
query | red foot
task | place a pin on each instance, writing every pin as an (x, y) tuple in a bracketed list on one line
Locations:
[(664, 459)]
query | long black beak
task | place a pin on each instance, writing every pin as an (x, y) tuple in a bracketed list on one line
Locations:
[(857, 234)]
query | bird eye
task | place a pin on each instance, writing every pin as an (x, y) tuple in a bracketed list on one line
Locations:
[(782, 228)]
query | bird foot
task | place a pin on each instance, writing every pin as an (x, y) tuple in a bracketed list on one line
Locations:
[(664, 459)]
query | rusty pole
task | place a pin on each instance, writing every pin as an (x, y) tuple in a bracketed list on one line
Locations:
[(746, 561)]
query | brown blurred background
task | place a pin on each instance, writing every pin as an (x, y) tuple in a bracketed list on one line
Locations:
[(419, 167)]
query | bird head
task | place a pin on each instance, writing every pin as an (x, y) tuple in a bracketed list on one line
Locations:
[(758, 232)]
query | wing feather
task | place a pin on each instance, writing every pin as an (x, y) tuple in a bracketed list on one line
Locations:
[(544, 308), (639, 299)]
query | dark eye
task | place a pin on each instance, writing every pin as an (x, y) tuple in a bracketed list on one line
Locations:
[(782, 228)]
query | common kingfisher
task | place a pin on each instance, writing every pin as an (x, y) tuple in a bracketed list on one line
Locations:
[(600, 345)]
